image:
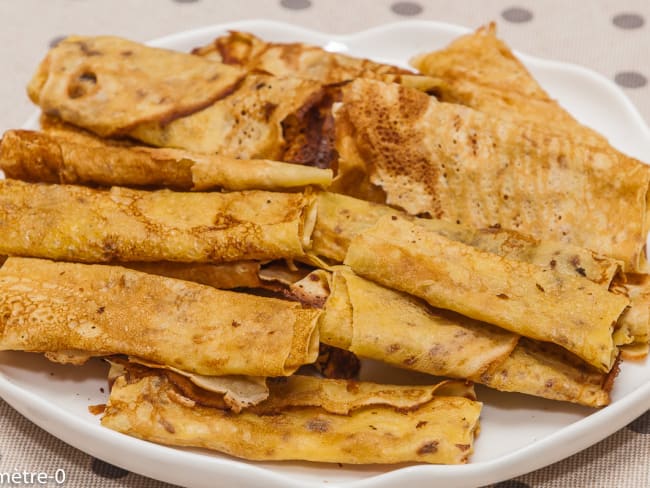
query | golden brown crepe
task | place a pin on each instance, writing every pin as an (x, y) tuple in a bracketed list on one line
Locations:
[(245, 50), (461, 165), (480, 71), (53, 158), (247, 124), (340, 218), (530, 300), (76, 223), (103, 310), (398, 329), (308, 419), (379, 323), (108, 85), (549, 371)]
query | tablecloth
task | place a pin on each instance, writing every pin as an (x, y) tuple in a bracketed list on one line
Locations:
[(611, 37)]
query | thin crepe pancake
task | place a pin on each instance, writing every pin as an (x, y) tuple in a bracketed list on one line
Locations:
[(530, 300), (109, 85), (247, 124), (400, 330), (245, 50), (76, 223), (341, 218), (480, 71), (460, 165), (54, 158), (104, 310), (308, 419)]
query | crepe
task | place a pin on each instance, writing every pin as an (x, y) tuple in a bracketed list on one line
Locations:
[(247, 124), (379, 323), (245, 50), (341, 218), (75, 223), (530, 300), (308, 419), (480, 71), (457, 164), (633, 328), (108, 84), (227, 392), (398, 329), (54, 158), (103, 310), (549, 371)]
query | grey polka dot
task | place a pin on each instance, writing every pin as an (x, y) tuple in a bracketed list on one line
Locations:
[(517, 15), (642, 424), (406, 8), (186, 1), (56, 40), (630, 79), (511, 484), (295, 4), (628, 21), (106, 470)]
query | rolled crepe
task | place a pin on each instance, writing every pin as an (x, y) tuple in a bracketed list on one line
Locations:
[(379, 323), (108, 84), (103, 310), (461, 165), (481, 71), (247, 124), (245, 50), (308, 419), (53, 158), (400, 330), (341, 218), (535, 302), (76, 223), (546, 370)]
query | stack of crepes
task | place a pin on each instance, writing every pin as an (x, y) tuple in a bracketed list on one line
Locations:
[(214, 222)]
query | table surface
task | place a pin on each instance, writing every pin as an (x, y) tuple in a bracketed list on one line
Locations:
[(610, 37)]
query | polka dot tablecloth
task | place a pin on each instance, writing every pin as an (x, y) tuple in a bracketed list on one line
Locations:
[(610, 37)]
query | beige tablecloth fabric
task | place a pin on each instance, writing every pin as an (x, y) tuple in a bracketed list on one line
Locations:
[(608, 36)]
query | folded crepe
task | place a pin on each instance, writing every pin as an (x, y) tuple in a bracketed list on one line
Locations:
[(76, 223), (247, 124), (340, 218), (245, 50), (109, 85), (55, 158), (633, 328), (460, 165), (398, 329), (100, 310), (307, 418), (228, 392), (533, 301), (480, 71)]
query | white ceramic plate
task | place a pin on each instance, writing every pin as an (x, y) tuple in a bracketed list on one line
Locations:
[(519, 433)]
